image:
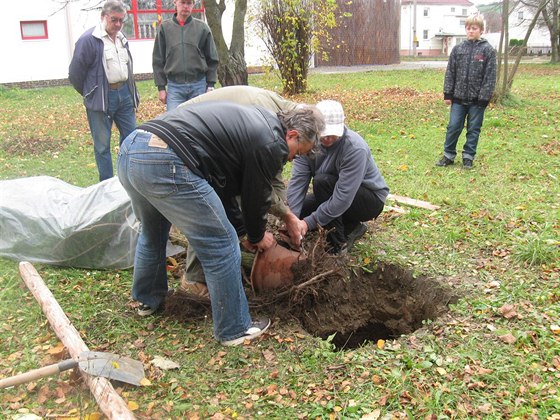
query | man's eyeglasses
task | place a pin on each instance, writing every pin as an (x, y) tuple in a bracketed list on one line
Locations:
[(119, 20), (309, 153)]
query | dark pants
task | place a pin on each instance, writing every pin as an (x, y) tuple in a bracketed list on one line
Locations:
[(365, 206)]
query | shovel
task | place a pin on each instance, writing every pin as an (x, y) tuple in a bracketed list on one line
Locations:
[(107, 365)]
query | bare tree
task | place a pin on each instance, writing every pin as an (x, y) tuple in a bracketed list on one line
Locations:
[(232, 69), (549, 19), (506, 76)]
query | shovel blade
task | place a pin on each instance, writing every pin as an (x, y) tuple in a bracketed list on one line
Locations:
[(111, 366)]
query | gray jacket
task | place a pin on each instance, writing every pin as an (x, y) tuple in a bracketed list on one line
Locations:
[(351, 161), (471, 73)]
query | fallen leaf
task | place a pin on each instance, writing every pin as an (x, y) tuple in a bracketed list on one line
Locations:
[(132, 405), (269, 355), (374, 415), (508, 311), (164, 364), (58, 351), (508, 338), (145, 382), (441, 371)]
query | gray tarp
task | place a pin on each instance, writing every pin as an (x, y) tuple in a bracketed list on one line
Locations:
[(46, 220)]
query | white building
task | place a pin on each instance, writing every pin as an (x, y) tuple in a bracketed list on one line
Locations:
[(41, 34), (436, 26), (519, 20)]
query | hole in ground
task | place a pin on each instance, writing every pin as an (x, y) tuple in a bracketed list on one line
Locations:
[(361, 307), (352, 305)]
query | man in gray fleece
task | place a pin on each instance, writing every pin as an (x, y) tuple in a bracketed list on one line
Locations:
[(348, 188)]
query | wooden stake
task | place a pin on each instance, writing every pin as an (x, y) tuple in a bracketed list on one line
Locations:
[(107, 398), (413, 202)]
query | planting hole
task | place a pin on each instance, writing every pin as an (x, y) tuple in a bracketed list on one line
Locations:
[(366, 307)]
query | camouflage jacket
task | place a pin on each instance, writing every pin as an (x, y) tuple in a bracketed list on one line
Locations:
[(471, 73)]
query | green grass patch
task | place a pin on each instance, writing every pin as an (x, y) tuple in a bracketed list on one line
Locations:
[(495, 238)]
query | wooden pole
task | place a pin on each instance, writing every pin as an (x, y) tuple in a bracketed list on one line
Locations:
[(412, 202), (107, 398)]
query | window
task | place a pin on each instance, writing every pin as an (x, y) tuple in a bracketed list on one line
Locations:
[(462, 22), (34, 29), (426, 11), (464, 12), (425, 34), (144, 16), (452, 10), (520, 15)]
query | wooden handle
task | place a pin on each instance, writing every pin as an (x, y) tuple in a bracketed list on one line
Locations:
[(38, 373)]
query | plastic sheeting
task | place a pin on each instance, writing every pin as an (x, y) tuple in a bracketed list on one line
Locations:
[(46, 220)]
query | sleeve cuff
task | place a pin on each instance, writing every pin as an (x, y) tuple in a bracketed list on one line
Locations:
[(311, 222)]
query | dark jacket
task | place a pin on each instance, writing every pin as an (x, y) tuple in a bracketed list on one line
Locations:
[(471, 73), (239, 149), (184, 54), (87, 74)]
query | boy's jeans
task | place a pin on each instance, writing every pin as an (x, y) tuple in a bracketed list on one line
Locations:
[(474, 114), (177, 93), (121, 111), (164, 192)]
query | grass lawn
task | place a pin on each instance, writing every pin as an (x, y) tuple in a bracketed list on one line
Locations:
[(494, 240)]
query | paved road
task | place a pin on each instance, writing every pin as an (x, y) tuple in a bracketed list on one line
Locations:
[(405, 65)]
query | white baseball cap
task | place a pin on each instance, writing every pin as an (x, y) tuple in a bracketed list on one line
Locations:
[(334, 118)]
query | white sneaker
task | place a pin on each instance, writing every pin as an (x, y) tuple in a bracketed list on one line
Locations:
[(256, 329)]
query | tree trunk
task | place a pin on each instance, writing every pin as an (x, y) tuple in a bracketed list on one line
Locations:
[(505, 29), (555, 33), (523, 48), (232, 69)]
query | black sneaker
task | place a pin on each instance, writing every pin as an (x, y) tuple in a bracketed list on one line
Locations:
[(356, 234), (256, 329), (444, 161), (467, 163), (338, 249)]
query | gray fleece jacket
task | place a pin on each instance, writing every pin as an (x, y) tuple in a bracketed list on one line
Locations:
[(351, 161), (471, 73)]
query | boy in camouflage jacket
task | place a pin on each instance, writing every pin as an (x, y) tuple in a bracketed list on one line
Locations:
[(469, 85)]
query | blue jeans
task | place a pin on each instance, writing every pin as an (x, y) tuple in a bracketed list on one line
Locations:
[(474, 114), (121, 111), (164, 192), (177, 93)]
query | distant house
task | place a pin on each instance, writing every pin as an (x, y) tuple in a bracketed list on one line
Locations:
[(436, 26), (519, 20)]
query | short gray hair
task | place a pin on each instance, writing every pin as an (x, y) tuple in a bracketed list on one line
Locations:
[(306, 120), (113, 6)]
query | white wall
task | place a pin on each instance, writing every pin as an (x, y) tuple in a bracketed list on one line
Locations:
[(440, 19), (47, 59), (33, 59)]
